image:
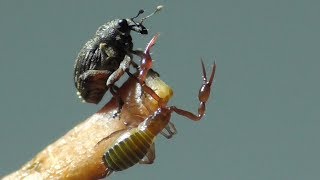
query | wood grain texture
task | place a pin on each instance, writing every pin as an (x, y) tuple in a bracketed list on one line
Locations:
[(77, 154)]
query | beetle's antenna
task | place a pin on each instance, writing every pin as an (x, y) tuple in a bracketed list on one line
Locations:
[(154, 12), (140, 12)]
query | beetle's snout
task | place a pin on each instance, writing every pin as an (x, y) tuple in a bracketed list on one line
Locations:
[(138, 27), (141, 29)]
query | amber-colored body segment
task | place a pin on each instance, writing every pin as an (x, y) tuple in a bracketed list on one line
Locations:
[(129, 151), (133, 145)]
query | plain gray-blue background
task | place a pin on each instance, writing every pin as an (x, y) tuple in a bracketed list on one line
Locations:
[(262, 120)]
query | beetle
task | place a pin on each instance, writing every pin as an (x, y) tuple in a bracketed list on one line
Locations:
[(136, 144), (105, 58)]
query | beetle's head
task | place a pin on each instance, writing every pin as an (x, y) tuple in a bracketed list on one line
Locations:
[(130, 24), (137, 26)]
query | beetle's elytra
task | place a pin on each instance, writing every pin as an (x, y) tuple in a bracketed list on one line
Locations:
[(105, 57), (136, 144)]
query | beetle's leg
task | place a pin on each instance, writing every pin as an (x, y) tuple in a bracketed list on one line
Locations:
[(203, 96), (171, 129), (114, 91), (134, 64), (150, 156), (114, 77), (139, 53)]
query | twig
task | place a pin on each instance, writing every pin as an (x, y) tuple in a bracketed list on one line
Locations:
[(77, 154)]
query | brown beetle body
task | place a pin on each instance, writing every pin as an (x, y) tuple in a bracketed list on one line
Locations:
[(104, 58), (100, 57)]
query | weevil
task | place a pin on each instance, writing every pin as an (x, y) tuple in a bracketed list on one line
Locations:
[(136, 144), (104, 58)]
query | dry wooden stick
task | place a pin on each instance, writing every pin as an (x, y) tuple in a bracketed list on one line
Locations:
[(76, 155)]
